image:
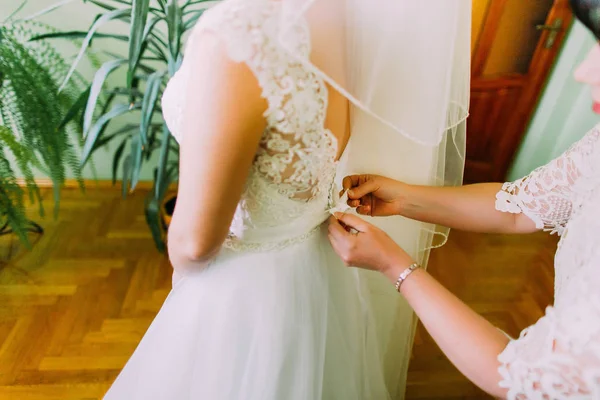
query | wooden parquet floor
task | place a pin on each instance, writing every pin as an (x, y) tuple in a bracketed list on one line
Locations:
[(74, 307)]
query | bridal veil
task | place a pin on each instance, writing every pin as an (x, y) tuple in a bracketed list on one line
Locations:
[(406, 73)]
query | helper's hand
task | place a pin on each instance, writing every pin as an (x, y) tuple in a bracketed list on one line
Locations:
[(374, 195), (368, 247)]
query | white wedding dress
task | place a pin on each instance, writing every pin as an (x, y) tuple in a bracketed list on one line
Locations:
[(559, 356), (276, 315)]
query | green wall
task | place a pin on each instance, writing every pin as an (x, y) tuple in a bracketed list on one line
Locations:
[(78, 15), (564, 113)]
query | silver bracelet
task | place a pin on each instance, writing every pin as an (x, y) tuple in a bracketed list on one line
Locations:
[(405, 275)]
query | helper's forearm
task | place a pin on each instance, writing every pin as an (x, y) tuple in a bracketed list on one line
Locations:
[(470, 342), (468, 208)]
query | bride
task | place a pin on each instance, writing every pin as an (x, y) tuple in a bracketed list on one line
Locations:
[(274, 100)]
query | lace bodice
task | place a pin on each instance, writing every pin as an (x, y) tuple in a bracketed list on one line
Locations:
[(289, 188), (559, 356)]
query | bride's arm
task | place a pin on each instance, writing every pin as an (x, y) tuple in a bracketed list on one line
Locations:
[(222, 125)]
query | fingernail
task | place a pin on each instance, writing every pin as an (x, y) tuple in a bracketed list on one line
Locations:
[(351, 192), (338, 215)]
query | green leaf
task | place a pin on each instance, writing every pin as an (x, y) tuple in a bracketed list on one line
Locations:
[(149, 103), (30, 104), (189, 23), (105, 139), (136, 160), (86, 42), (102, 5), (126, 129), (99, 127), (149, 28), (125, 2), (163, 159), (117, 159), (189, 3), (126, 175), (19, 8), (139, 16), (174, 27), (77, 35), (77, 106), (146, 69), (107, 103), (96, 89), (153, 219), (47, 10)]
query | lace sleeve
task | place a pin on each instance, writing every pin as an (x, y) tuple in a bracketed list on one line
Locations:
[(547, 195), (559, 356), (242, 26)]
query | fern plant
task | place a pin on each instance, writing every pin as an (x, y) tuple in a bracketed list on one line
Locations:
[(156, 31), (35, 128)]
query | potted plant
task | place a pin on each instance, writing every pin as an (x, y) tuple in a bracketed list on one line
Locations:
[(37, 134), (156, 33)]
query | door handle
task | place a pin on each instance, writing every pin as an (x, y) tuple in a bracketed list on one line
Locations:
[(554, 28)]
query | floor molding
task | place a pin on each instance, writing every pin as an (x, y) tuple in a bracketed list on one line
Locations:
[(92, 184)]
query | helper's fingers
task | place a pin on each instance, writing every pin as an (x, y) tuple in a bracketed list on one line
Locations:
[(337, 229), (353, 221), (351, 181), (363, 189), (364, 210)]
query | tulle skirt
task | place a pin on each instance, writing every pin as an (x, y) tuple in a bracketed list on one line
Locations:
[(292, 324)]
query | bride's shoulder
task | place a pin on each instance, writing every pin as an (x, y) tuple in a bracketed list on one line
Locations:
[(240, 24)]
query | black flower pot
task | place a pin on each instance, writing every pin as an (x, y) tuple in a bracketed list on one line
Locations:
[(167, 211)]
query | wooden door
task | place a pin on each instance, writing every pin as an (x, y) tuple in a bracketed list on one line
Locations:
[(515, 43)]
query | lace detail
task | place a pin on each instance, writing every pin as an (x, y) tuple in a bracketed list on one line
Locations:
[(294, 168), (234, 243), (547, 194), (237, 245), (340, 205), (559, 356)]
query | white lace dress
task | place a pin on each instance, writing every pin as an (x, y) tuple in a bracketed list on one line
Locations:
[(559, 356), (276, 316)]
